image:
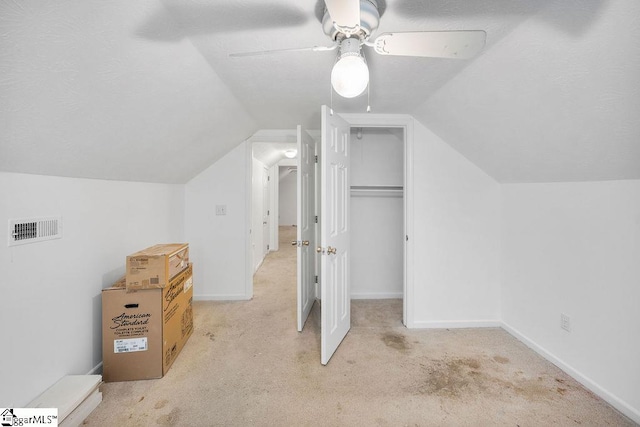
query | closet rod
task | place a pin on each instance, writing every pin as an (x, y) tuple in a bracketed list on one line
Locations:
[(376, 191)]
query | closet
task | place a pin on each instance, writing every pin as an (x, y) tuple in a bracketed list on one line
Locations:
[(377, 212)]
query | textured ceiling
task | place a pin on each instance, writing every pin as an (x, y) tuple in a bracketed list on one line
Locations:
[(285, 89), (146, 90)]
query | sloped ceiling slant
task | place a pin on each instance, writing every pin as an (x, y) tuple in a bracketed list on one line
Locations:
[(84, 96), (556, 100)]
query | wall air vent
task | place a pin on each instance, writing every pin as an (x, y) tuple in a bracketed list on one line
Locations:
[(32, 230)]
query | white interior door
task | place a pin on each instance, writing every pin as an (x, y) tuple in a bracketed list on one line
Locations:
[(334, 233), (306, 240), (265, 211)]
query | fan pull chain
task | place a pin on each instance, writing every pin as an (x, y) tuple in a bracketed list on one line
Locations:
[(330, 99), (368, 97)]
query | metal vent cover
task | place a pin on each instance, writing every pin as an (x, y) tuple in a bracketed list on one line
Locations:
[(32, 230)]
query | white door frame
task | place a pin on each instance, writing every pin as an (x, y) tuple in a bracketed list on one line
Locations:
[(248, 260), (273, 206), (404, 122), (266, 210)]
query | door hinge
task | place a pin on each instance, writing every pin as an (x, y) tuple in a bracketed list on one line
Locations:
[(406, 238), (267, 213), (267, 247), (268, 178), (316, 279), (316, 159), (316, 219)]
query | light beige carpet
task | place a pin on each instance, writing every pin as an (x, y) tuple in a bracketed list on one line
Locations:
[(247, 365)]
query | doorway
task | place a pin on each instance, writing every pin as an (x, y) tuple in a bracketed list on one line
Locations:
[(336, 245), (377, 213), (287, 197), (268, 166), (398, 188), (396, 141)]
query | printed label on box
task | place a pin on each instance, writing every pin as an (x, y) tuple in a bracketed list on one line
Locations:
[(188, 284), (130, 345)]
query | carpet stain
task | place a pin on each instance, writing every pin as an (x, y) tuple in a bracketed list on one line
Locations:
[(160, 404), (305, 357), (533, 390), (141, 399), (451, 377), (394, 340), (211, 336), (462, 378), (169, 419), (500, 359)]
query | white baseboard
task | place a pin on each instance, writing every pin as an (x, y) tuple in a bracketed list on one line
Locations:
[(380, 295), (430, 324), (232, 297), (609, 397), (97, 370)]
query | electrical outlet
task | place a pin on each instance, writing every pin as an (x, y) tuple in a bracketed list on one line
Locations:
[(221, 209), (565, 322)]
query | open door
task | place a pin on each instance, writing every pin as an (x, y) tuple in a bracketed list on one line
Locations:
[(306, 225), (334, 233)]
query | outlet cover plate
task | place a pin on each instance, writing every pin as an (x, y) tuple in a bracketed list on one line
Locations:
[(565, 322)]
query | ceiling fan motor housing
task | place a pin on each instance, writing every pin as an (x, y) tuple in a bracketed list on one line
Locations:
[(369, 21)]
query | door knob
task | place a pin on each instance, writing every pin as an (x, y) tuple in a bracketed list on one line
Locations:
[(305, 243), (294, 243), (319, 249), (331, 250)]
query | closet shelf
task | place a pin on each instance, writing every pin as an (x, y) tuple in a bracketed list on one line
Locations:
[(376, 191)]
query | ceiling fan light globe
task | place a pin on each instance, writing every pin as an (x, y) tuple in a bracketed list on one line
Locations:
[(350, 76)]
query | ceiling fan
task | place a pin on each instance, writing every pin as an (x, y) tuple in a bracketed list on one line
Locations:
[(350, 24)]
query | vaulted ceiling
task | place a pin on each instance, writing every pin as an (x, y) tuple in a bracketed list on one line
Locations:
[(147, 91)]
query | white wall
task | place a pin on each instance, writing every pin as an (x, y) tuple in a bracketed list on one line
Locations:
[(377, 247), (378, 157), (456, 237), (574, 248), (51, 291), (219, 243), (287, 199), (258, 243)]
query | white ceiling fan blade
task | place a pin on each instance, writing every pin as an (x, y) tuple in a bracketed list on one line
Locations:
[(433, 44), (345, 15), (295, 49)]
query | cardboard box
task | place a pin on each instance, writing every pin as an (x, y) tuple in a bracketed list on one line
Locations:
[(144, 331), (155, 266)]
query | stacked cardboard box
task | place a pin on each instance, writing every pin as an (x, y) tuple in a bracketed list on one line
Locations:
[(155, 266), (146, 325)]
